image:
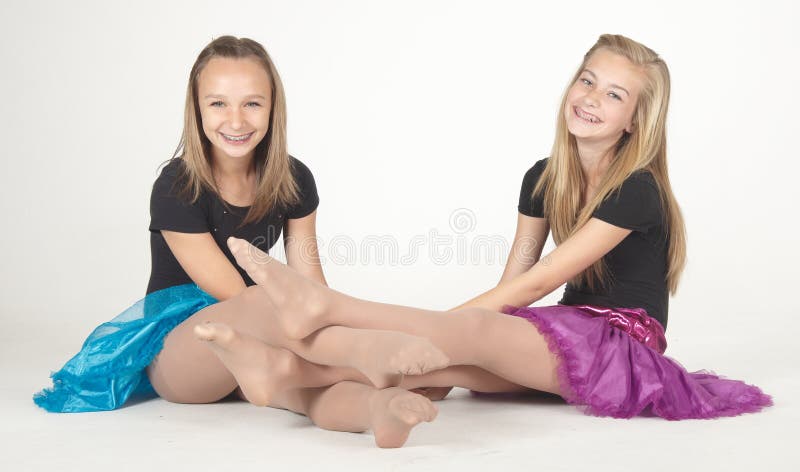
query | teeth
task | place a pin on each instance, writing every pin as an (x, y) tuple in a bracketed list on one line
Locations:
[(235, 138), (589, 118)]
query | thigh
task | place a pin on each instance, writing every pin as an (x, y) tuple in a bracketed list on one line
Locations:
[(512, 348), (515, 349), (186, 370)]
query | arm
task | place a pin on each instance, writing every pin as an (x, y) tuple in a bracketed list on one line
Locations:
[(581, 250), (300, 243), (203, 261), (527, 248)]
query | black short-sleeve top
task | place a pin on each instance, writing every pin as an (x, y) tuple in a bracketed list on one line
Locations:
[(637, 265), (209, 215)]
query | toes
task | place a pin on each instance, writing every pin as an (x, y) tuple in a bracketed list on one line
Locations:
[(432, 411), (425, 408), (204, 331), (218, 333), (246, 255), (235, 245)]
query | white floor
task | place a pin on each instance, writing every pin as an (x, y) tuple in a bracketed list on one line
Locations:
[(470, 433)]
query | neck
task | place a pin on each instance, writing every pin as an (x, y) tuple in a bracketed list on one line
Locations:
[(228, 168), (595, 158)]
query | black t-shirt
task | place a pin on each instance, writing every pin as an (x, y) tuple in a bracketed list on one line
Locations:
[(638, 264), (209, 215)]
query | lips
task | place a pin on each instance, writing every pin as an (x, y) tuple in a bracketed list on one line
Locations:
[(586, 117)]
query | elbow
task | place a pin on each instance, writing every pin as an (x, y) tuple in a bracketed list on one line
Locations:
[(226, 292)]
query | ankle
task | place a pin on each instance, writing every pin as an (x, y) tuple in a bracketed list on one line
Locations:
[(373, 401)]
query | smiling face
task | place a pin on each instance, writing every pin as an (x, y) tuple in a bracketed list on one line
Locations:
[(600, 104), (234, 98)]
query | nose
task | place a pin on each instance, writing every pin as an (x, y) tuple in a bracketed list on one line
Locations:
[(591, 98), (235, 118)]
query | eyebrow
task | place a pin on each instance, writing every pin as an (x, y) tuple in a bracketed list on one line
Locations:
[(223, 96), (612, 85)]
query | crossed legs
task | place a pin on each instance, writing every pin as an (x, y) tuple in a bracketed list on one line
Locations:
[(507, 346), (239, 332)]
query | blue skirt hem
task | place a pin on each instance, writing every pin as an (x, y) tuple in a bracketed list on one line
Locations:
[(110, 367)]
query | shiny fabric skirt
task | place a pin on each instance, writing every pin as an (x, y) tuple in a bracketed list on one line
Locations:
[(110, 367), (611, 362)]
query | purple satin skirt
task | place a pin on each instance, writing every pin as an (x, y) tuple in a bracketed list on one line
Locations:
[(612, 363)]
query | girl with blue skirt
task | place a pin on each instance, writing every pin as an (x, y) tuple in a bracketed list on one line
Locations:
[(230, 176)]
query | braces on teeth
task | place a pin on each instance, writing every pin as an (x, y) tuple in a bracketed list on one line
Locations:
[(231, 138)]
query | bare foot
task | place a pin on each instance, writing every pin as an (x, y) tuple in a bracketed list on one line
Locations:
[(394, 411), (386, 356), (259, 369), (301, 303)]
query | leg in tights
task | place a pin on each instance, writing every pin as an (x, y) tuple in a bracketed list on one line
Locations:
[(187, 371), (202, 363), (369, 351), (390, 413), (507, 346), (280, 378)]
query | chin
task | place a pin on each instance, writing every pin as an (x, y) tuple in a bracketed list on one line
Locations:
[(579, 132)]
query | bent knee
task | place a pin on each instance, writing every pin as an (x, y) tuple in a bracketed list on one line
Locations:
[(251, 294), (477, 320)]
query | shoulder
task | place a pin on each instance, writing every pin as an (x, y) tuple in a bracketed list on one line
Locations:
[(174, 167), (536, 170), (309, 198), (169, 175), (304, 178), (172, 180), (533, 174), (529, 204), (640, 184), (643, 175), (300, 171), (635, 204), (169, 211)]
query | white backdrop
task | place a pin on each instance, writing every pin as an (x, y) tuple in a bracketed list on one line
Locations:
[(405, 112)]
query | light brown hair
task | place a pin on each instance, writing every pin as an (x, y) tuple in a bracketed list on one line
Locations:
[(275, 184), (563, 182)]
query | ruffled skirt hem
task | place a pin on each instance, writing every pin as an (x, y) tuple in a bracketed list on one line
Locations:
[(606, 372)]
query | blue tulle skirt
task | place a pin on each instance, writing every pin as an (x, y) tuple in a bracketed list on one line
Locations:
[(110, 366)]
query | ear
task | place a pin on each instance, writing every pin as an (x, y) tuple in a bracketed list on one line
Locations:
[(629, 128)]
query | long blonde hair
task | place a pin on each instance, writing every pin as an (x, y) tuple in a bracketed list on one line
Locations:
[(275, 184), (645, 148)]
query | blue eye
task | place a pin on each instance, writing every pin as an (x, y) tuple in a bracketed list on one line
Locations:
[(213, 104), (615, 96), (254, 103), (586, 81)]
